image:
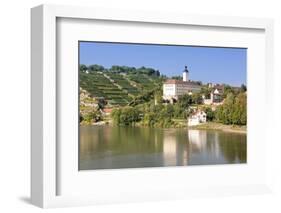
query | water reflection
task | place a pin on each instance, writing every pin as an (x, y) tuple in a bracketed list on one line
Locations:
[(106, 147)]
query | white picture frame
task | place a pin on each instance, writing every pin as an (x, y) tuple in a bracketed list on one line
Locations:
[(45, 174)]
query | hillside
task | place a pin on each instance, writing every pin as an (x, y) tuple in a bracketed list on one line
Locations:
[(116, 87)]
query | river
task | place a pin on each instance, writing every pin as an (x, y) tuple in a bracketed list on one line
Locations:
[(107, 147)]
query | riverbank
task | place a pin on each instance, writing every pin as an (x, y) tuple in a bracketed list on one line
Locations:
[(222, 127), (181, 124)]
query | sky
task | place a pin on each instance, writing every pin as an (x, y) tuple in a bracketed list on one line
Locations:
[(206, 64)]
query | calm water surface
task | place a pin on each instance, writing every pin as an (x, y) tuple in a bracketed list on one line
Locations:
[(106, 147)]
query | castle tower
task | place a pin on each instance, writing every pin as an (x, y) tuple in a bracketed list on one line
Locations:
[(185, 74)]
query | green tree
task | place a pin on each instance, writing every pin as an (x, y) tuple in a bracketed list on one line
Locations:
[(158, 96), (95, 68), (126, 116), (143, 98), (210, 113), (115, 114), (240, 109), (185, 101), (178, 111), (243, 88), (92, 116), (206, 91), (149, 119), (227, 89), (197, 98), (228, 108), (219, 116), (233, 110), (83, 68), (169, 111)]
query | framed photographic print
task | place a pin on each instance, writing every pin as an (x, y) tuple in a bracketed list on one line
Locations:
[(149, 106), (135, 117)]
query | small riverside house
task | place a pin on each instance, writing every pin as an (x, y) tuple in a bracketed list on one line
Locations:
[(197, 118)]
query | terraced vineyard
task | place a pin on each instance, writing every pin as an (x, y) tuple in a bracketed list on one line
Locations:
[(117, 89), (123, 83), (143, 81)]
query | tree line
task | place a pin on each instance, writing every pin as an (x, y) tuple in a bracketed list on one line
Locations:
[(233, 110), (149, 109), (144, 111), (119, 69)]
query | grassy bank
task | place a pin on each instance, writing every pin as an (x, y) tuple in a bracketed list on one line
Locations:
[(182, 123), (222, 127)]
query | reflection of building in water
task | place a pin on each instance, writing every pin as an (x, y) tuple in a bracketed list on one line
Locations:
[(174, 152), (216, 144), (201, 141), (169, 150), (197, 139)]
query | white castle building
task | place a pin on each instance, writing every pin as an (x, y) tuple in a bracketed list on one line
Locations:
[(172, 88)]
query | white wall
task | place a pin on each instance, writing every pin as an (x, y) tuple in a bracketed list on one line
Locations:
[(169, 89), (15, 98)]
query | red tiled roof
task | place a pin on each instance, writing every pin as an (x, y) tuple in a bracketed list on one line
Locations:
[(107, 110), (174, 81)]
